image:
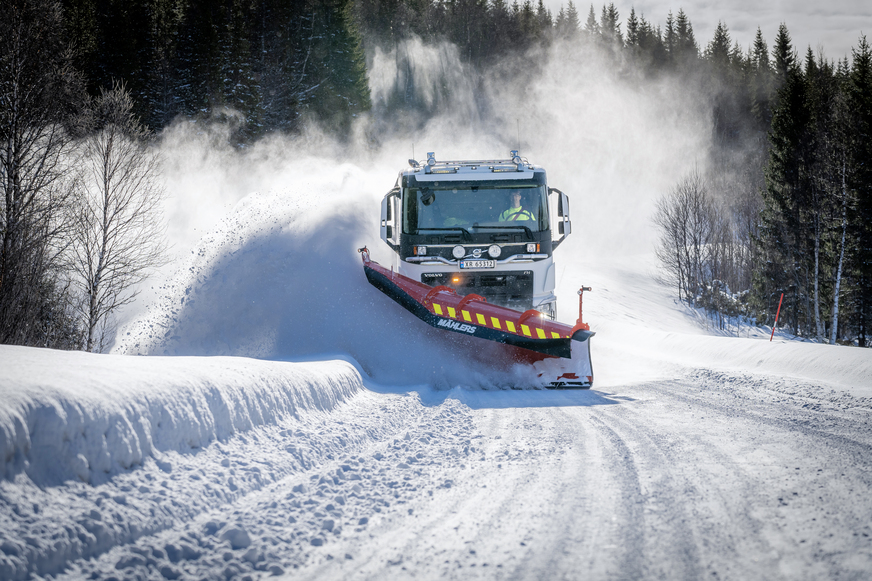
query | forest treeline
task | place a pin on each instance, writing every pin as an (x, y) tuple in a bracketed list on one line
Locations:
[(263, 65), (815, 239), (782, 205)]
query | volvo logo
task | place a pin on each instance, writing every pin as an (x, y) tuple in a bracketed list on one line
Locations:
[(476, 252)]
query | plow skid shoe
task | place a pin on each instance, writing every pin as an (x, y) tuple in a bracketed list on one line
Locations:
[(558, 353)]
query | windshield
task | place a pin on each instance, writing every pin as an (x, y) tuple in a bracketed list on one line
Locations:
[(475, 208)]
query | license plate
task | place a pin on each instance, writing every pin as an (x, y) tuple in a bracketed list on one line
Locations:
[(477, 264)]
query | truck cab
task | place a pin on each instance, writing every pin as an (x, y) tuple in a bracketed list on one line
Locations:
[(455, 224)]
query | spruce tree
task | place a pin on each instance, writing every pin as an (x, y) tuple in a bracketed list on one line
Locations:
[(560, 23), (610, 26), (686, 49), (591, 26), (651, 45), (859, 97), (572, 22), (240, 90), (670, 36), (783, 56), (341, 92), (544, 17), (632, 29), (761, 83), (503, 35), (785, 198), (718, 50)]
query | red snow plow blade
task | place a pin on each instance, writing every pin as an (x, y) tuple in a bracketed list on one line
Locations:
[(559, 354)]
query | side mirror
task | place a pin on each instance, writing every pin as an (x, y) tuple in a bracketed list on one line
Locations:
[(564, 225), (388, 213)]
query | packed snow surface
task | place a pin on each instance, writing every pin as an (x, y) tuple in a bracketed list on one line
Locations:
[(291, 421)]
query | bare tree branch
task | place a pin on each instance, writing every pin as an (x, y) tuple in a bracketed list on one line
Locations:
[(39, 90), (119, 227)]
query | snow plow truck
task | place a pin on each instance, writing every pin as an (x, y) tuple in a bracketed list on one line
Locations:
[(473, 245)]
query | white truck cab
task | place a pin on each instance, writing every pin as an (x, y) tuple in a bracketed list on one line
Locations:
[(454, 223)]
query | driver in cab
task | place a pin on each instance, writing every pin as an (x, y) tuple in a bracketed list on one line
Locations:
[(516, 211)]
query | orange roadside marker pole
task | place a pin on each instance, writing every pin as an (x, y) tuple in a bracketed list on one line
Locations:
[(776, 317)]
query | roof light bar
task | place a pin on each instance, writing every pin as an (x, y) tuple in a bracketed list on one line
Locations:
[(515, 164)]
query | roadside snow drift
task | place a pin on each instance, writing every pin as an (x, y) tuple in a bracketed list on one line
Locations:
[(85, 417)]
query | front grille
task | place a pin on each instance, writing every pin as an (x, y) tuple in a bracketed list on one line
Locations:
[(512, 289)]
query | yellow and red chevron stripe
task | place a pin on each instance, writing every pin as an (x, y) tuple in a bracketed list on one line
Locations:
[(537, 327)]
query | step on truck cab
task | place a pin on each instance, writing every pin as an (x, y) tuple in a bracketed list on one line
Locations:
[(486, 227)]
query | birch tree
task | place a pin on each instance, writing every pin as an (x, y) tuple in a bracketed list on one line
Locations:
[(39, 90), (118, 221), (687, 220)]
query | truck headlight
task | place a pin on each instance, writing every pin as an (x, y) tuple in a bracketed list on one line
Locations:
[(532, 247), (494, 251), (420, 251), (458, 252)]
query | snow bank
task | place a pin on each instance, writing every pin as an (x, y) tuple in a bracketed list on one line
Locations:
[(645, 334), (845, 367), (72, 415), (631, 354)]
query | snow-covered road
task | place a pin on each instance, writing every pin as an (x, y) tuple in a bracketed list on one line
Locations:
[(707, 475)]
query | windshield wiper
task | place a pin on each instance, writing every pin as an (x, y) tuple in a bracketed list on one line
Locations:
[(452, 229), (507, 227)]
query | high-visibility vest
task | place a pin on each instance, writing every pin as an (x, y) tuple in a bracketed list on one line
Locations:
[(513, 214)]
